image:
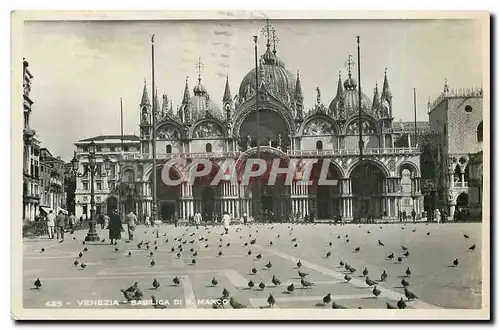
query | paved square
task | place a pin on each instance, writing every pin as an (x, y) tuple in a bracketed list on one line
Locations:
[(434, 279)]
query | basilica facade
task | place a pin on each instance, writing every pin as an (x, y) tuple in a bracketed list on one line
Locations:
[(202, 127)]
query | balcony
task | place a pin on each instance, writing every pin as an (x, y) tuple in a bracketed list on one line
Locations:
[(459, 184), (347, 152)]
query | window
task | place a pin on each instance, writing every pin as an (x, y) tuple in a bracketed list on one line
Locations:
[(99, 186), (479, 132), (125, 148), (113, 170), (169, 149), (468, 109), (319, 145), (85, 185), (111, 185), (208, 147)]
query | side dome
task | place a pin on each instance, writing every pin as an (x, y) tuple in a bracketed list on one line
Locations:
[(278, 80)]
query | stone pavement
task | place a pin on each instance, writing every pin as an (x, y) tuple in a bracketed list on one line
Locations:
[(433, 278)]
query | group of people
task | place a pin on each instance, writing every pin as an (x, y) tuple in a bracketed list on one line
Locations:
[(402, 216), (57, 224)]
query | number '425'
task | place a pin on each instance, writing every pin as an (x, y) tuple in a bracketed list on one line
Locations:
[(53, 303)]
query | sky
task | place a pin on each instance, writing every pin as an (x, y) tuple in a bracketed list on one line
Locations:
[(82, 68)]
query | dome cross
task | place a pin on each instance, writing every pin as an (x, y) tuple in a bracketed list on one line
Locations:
[(199, 66), (349, 64), (267, 31)]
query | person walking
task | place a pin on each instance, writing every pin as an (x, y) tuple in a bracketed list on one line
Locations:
[(226, 219), (146, 221), (106, 221), (59, 223), (115, 227), (245, 218), (197, 219), (437, 215), (131, 223), (51, 222), (72, 222), (175, 218), (413, 215)]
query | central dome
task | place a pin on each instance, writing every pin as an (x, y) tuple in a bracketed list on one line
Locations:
[(278, 80), (346, 103)]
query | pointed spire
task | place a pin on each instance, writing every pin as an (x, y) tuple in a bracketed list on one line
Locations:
[(164, 105), (227, 92), (145, 97), (186, 97), (446, 88), (376, 98), (298, 87), (157, 104), (340, 89), (171, 109), (386, 91)]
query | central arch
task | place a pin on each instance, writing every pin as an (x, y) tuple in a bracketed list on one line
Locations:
[(325, 203), (367, 189), (273, 130)]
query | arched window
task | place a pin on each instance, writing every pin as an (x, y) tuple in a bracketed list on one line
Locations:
[(319, 145), (169, 149), (208, 147), (479, 132)]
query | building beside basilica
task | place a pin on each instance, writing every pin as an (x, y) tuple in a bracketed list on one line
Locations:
[(204, 127)]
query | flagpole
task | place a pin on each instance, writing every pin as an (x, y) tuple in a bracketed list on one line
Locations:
[(415, 113), (360, 142), (258, 125), (154, 215), (121, 122)]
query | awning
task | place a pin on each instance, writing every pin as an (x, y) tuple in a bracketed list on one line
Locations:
[(45, 209)]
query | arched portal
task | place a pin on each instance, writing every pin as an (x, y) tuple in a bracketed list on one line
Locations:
[(367, 189), (462, 200), (167, 196), (324, 195), (207, 197)]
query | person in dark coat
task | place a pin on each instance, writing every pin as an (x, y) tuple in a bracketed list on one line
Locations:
[(115, 227)]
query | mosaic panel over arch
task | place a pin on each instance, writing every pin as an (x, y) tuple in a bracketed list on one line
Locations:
[(367, 126), (318, 127), (208, 130), (168, 132)]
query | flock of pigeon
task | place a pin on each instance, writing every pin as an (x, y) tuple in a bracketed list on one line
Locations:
[(184, 247)]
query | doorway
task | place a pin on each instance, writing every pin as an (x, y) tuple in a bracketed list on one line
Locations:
[(323, 202), (208, 202), (267, 203), (167, 210)]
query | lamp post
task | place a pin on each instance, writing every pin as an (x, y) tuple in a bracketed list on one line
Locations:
[(91, 168)]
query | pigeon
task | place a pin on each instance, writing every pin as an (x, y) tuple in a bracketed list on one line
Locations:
[(156, 284), (401, 304), (129, 295), (235, 304), (271, 243), (258, 256), (254, 270), (103, 240), (42, 250), (295, 245), (74, 238), (156, 304), (389, 306), (191, 250), (195, 253), (368, 232), (269, 265), (253, 241), (228, 244), (341, 263), (249, 252), (347, 240), (400, 259), (405, 283), (365, 271), (406, 254), (116, 249), (294, 239), (132, 288), (428, 233), (129, 254), (275, 280), (178, 255), (408, 272), (176, 280), (410, 295), (206, 245), (305, 284), (152, 263), (380, 243), (251, 284), (404, 248), (369, 282), (390, 256), (337, 306), (85, 249), (328, 254), (455, 263), (262, 285), (383, 276), (302, 275), (246, 244), (80, 254), (352, 269), (220, 253), (466, 236), (193, 261), (172, 249), (214, 281), (327, 299), (330, 244), (472, 248), (271, 300), (83, 265), (76, 263), (290, 288), (338, 237), (357, 249), (376, 292), (83, 243), (38, 284), (61, 240)]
